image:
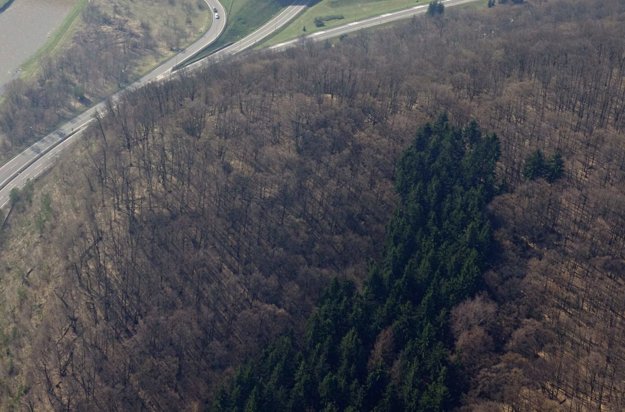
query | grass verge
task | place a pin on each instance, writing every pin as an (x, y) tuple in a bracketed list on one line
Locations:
[(4, 4), (33, 63), (332, 13)]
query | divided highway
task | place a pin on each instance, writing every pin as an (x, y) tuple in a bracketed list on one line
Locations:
[(33, 161)]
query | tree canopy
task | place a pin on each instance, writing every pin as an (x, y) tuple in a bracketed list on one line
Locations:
[(537, 166), (388, 348)]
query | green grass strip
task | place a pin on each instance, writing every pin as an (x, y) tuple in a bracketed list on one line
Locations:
[(32, 64)]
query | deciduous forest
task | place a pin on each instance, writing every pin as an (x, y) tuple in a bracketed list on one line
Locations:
[(435, 225)]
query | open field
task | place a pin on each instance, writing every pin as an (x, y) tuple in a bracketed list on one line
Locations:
[(25, 26), (331, 13), (178, 20)]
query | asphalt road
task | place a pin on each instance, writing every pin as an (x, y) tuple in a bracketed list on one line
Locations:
[(33, 161)]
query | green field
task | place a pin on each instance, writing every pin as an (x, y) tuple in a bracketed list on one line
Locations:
[(335, 13)]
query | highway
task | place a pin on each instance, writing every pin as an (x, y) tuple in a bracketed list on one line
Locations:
[(36, 159)]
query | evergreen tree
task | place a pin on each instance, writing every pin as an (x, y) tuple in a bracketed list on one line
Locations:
[(435, 7), (554, 167), (536, 166)]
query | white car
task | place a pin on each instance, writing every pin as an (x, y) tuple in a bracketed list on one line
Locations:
[(216, 16)]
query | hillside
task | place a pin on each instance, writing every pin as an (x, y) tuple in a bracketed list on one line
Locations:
[(202, 219)]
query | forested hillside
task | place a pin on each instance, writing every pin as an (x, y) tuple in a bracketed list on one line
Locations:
[(200, 221)]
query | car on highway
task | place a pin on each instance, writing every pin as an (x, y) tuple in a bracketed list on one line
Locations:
[(216, 16), (215, 9)]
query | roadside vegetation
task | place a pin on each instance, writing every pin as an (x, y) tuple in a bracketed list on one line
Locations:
[(331, 13), (101, 47)]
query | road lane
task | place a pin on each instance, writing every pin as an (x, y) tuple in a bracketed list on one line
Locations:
[(41, 155)]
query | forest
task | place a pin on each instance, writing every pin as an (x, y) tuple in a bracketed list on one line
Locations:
[(389, 348), (435, 225)]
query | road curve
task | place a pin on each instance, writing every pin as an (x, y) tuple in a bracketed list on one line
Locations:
[(33, 161), (273, 25)]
